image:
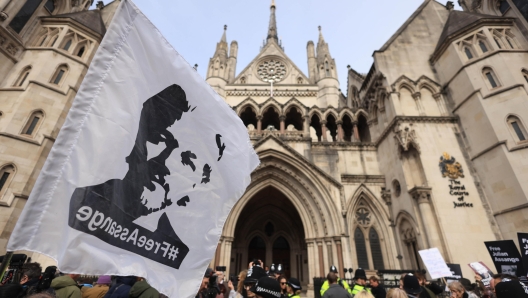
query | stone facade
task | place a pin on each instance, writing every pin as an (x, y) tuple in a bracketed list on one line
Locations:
[(428, 149)]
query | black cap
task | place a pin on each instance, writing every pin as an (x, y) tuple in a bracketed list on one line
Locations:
[(267, 287), (295, 284), (208, 272), (333, 269), (411, 285), (510, 289), (360, 274), (254, 274)]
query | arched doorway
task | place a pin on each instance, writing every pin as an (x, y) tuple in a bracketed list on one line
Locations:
[(270, 228)]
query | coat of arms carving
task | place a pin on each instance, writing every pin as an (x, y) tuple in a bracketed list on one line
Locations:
[(449, 167)]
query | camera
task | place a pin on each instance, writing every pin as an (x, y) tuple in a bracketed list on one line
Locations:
[(221, 268)]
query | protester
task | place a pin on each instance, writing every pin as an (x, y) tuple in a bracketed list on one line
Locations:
[(457, 290), (361, 282), (241, 291), (429, 289), (510, 288), (470, 288), (377, 290), (99, 290), (253, 276), (122, 287), (66, 287), (266, 287), (411, 286), (30, 277), (340, 282), (202, 292), (396, 293), (401, 280), (141, 289), (335, 290), (283, 284), (294, 288)]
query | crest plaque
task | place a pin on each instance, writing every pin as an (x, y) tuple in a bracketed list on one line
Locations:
[(449, 167)]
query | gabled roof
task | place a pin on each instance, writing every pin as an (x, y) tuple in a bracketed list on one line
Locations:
[(460, 21), (89, 18)]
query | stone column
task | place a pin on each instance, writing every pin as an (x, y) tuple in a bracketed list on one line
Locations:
[(329, 251), (218, 253), (340, 133), (355, 137), (226, 259), (282, 124), (418, 100), (340, 263), (440, 101), (387, 197), (321, 259), (306, 127), (259, 124), (422, 195), (312, 263), (323, 131)]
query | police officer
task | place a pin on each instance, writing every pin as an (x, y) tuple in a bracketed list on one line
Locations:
[(340, 282), (361, 282), (294, 288)]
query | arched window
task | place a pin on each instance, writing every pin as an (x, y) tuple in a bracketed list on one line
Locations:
[(295, 118), (270, 119), (510, 42), (242, 80), (483, 46), (67, 45), (331, 128), (257, 249), (249, 117), (348, 128), (396, 187), (299, 80), (22, 77), (363, 129), (33, 123), (491, 78), (517, 129), (497, 41), (24, 15), (327, 69), (59, 75), (375, 248), (315, 124), (80, 52), (469, 55), (54, 40), (525, 75), (43, 40), (6, 176), (50, 5), (361, 249)]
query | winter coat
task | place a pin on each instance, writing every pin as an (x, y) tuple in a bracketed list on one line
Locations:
[(336, 291), (379, 292), (66, 287), (431, 290), (142, 289), (98, 291), (122, 287)]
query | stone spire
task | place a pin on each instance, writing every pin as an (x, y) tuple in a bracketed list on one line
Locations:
[(321, 38), (272, 30), (224, 36)]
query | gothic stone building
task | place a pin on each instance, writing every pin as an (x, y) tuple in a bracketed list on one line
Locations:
[(428, 149)]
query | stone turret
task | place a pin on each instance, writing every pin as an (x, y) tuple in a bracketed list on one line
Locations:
[(325, 74), (218, 71), (312, 64)]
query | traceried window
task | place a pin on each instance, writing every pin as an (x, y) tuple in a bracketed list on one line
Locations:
[(483, 46), (327, 69), (361, 248), (67, 45), (6, 176), (510, 42), (517, 128), (491, 78), (33, 123), (24, 15), (60, 74), (469, 55), (497, 42), (375, 248), (80, 52), (22, 77)]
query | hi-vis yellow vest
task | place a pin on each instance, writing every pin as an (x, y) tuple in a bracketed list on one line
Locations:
[(340, 282), (358, 288)]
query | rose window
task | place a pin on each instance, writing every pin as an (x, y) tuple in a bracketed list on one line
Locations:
[(363, 216), (271, 71)]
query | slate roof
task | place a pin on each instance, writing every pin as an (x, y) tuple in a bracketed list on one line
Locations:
[(89, 18), (458, 21)]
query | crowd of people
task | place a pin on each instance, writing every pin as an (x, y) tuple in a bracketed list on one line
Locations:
[(255, 282)]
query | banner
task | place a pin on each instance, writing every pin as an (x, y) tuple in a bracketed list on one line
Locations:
[(456, 271), (523, 243), (433, 260), (485, 273), (145, 170), (506, 257)]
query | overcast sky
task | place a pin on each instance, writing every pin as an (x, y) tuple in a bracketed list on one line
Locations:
[(354, 29)]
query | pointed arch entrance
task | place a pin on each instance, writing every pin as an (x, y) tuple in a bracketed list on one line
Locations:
[(270, 228)]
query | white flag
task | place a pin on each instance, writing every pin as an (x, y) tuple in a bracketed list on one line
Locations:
[(145, 170)]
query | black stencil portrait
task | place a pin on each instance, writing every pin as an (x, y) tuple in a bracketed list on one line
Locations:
[(108, 210)]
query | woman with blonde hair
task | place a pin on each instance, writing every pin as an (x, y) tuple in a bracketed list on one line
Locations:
[(240, 292), (363, 294), (396, 293), (457, 290)]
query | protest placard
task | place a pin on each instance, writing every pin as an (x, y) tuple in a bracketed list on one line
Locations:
[(506, 257), (433, 260), (523, 243), (483, 271)]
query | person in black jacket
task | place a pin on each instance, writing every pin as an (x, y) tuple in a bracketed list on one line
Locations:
[(430, 289), (378, 291), (122, 287)]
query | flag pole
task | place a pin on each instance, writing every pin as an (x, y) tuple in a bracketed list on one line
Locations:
[(5, 264)]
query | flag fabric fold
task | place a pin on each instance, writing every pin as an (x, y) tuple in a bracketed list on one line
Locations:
[(145, 170)]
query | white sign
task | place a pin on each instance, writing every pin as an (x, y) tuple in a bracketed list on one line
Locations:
[(436, 266), (145, 170)]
